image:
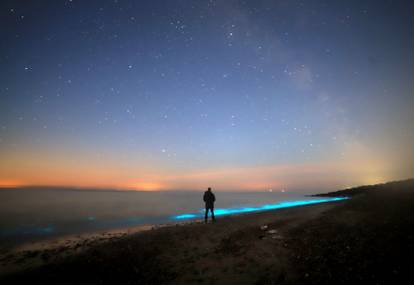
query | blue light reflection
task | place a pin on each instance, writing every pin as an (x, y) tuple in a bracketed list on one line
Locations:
[(230, 211)]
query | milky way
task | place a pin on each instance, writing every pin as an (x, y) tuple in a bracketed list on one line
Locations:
[(239, 95)]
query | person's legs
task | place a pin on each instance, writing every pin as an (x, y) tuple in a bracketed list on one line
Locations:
[(212, 214), (206, 216)]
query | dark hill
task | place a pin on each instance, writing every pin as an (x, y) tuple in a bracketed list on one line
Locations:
[(389, 186)]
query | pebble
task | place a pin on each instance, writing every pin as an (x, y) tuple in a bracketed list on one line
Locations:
[(277, 237)]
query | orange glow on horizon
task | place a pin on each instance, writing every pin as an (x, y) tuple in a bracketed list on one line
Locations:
[(42, 169), (145, 186), (11, 184)]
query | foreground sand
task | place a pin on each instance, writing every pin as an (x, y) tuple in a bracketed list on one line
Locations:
[(369, 239)]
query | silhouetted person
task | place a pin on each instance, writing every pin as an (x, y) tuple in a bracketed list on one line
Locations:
[(209, 199)]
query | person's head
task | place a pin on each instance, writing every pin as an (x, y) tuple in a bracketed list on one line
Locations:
[(209, 189)]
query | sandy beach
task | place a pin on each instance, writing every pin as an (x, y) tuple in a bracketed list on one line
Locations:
[(369, 238)]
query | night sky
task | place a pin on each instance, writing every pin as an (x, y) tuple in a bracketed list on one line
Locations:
[(236, 95)]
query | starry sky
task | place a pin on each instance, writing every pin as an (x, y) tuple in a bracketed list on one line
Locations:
[(236, 95)]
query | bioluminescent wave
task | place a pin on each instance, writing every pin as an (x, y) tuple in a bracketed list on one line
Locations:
[(47, 217), (230, 211)]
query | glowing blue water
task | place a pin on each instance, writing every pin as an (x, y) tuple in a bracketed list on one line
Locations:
[(35, 214), (230, 211)]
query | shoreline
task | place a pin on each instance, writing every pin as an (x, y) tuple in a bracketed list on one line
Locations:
[(183, 218), (368, 238), (57, 241), (34, 254)]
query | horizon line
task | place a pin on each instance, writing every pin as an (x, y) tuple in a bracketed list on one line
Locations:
[(126, 189)]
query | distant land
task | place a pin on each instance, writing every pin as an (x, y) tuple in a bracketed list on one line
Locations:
[(365, 188)]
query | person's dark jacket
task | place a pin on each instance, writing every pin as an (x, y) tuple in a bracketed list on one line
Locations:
[(209, 198)]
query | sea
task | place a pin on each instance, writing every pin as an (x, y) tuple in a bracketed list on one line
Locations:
[(32, 214)]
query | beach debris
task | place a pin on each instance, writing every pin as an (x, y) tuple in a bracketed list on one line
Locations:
[(277, 237), (272, 232), (263, 228)]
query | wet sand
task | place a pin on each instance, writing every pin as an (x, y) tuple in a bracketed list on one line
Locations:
[(369, 239)]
